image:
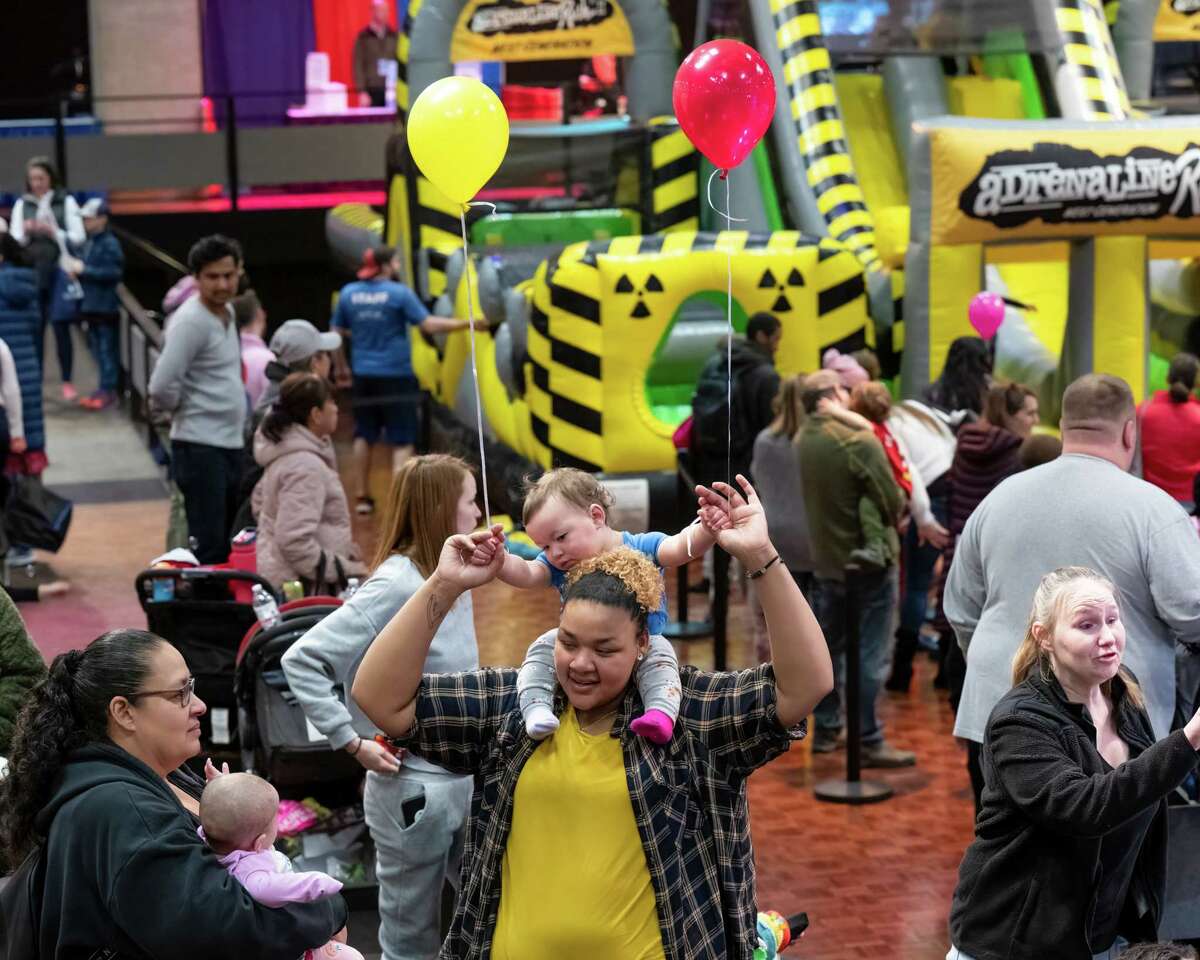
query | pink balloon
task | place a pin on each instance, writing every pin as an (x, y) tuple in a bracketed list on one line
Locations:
[(724, 98), (986, 313)]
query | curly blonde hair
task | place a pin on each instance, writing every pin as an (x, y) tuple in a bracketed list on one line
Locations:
[(637, 574)]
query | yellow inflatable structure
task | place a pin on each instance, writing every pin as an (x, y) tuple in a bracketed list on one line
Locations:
[(599, 313)]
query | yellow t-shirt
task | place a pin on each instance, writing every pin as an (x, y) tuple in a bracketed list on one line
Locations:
[(574, 878)]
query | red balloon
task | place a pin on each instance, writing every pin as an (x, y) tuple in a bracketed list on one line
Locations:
[(724, 98)]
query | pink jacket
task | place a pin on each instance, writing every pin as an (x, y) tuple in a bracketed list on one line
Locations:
[(301, 508), (269, 878), (255, 357)]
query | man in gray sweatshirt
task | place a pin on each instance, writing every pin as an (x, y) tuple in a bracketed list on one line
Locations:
[(198, 382), (1082, 509)]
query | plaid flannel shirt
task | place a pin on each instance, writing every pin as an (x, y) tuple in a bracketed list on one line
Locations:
[(689, 799)]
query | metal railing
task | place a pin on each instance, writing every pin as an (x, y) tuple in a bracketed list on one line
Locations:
[(140, 344), (233, 140)]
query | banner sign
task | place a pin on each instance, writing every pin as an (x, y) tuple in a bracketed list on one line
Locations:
[(991, 185), (1177, 20), (540, 30)]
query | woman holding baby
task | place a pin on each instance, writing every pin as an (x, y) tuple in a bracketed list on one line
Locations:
[(97, 788)]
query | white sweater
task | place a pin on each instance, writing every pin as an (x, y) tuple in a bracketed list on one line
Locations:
[(929, 449), (10, 393)]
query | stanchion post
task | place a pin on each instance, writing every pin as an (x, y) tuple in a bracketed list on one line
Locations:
[(853, 789), (681, 629)]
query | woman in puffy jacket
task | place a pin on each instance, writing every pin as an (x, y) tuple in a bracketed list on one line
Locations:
[(303, 520)]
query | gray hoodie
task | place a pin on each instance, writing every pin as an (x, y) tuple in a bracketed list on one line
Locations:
[(329, 654)]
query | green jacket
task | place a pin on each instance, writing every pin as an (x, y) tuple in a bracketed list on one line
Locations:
[(841, 466), (21, 668)]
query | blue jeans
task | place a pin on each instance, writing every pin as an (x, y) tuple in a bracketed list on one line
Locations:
[(919, 561), (102, 341), (210, 480), (875, 597)]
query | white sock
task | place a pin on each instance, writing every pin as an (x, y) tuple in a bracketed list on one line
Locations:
[(540, 721)]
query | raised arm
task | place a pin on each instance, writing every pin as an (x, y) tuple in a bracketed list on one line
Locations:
[(799, 655), (685, 546), (520, 573), (390, 673)]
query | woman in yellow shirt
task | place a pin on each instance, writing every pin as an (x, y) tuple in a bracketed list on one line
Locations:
[(596, 843)]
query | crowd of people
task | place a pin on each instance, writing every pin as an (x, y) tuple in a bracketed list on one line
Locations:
[(1052, 586)]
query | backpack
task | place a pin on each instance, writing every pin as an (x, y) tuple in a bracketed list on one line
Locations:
[(710, 411), (19, 914)]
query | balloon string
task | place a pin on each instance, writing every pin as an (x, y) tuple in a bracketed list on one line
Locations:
[(487, 509), (728, 339), (725, 213), (482, 203)]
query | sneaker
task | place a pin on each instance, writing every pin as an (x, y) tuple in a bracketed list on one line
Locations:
[(100, 400), (69, 393), (364, 507), (826, 741), (883, 754)]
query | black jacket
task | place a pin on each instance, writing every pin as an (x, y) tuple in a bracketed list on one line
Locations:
[(755, 384), (1027, 885), (126, 871)]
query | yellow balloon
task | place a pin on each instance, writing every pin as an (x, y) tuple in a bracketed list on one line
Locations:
[(458, 134)]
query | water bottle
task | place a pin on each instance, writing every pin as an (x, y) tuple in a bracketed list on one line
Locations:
[(265, 607), (352, 584)]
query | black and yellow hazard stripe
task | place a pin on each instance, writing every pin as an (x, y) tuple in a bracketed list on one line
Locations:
[(436, 227), (403, 45), (674, 202), (808, 73), (565, 375), (563, 382), (1088, 49)]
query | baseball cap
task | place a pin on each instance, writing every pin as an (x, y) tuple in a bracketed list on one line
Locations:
[(94, 208), (297, 340)]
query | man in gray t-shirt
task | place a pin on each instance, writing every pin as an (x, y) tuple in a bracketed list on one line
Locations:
[(1082, 509), (198, 382)]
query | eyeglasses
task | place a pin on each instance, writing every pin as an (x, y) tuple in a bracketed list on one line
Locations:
[(181, 695)]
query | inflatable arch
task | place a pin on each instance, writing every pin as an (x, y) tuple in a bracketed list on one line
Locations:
[(599, 315)]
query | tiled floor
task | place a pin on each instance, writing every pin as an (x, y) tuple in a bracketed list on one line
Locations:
[(876, 881)]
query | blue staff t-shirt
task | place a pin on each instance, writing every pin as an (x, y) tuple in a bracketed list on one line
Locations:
[(647, 543), (378, 314)]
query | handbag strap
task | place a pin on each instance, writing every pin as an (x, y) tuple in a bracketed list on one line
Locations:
[(322, 585)]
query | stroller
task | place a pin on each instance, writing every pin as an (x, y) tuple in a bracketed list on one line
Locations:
[(277, 740), (197, 611)]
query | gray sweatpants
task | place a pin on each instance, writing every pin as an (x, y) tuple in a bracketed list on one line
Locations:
[(414, 856), (657, 676)]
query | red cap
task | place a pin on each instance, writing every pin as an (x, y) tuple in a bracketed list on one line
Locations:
[(369, 268)]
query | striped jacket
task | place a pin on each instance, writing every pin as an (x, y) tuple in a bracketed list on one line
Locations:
[(689, 799)]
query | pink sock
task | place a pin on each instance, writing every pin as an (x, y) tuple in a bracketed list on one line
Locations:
[(655, 726)]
